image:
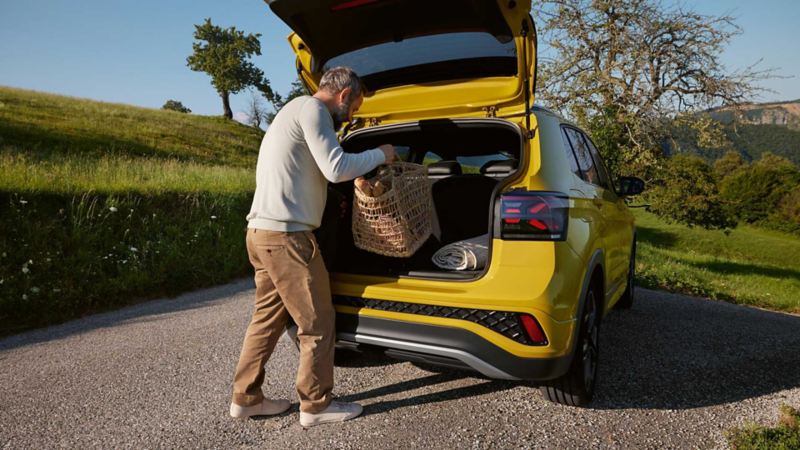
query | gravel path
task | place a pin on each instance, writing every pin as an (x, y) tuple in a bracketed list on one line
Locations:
[(675, 372)]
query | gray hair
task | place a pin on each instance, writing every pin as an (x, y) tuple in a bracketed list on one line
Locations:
[(337, 79)]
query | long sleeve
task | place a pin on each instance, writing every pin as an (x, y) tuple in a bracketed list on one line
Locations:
[(333, 162)]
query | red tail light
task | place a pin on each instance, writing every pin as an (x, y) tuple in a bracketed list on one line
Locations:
[(540, 216), (533, 329)]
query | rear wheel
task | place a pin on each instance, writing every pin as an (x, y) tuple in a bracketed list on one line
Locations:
[(626, 301), (576, 387)]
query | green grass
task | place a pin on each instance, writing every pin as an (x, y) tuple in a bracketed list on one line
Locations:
[(748, 266), (45, 125), (784, 436), (102, 205)]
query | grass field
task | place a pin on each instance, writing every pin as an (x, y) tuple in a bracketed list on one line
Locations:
[(104, 204), (749, 265)]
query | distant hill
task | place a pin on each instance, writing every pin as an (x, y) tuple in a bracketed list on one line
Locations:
[(756, 128), (785, 114)]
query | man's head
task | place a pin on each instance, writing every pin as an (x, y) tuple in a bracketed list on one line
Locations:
[(342, 90)]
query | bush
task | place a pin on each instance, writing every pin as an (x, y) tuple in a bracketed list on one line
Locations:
[(174, 105), (685, 192), (785, 436), (66, 255), (754, 191), (729, 163)]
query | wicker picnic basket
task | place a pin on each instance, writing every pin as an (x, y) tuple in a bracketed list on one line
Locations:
[(397, 221)]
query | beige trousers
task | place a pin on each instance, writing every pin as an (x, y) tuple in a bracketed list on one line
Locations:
[(291, 280)]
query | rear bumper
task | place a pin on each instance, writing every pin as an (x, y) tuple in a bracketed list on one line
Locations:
[(446, 346)]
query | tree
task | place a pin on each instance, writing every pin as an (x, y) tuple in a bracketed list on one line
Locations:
[(728, 164), (629, 66), (224, 55), (685, 191), (174, 105), (256, 110)]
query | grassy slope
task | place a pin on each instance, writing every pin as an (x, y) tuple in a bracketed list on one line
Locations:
[(749, 265), (50, 142)]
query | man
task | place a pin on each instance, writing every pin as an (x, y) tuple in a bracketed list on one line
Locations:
[(299, 155)]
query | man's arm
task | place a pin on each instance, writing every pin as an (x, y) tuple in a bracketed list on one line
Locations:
[(335, 164)]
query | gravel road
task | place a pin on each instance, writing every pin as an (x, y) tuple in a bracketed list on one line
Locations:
[(675, 372)]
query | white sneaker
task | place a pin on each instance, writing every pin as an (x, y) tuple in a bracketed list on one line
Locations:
[(335, 412), (265, 408)]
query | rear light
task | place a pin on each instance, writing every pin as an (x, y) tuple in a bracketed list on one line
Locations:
[(351, 4), (533, 329), (537, 216)]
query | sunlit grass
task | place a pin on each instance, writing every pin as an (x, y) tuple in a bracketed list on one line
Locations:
[(749, 265)]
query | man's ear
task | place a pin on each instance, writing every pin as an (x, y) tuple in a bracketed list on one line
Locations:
[(344, 95)]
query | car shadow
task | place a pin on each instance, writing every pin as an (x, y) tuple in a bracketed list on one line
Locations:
[(679, 352), (667, 352)]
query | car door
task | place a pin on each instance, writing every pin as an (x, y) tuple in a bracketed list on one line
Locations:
[(618, 220)]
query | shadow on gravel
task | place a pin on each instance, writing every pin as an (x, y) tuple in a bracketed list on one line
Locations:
[(677, 352), (487, 387), (142, 311)]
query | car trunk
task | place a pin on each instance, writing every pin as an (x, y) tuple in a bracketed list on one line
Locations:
[(469, 161)]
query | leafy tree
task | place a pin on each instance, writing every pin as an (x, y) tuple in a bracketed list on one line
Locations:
[(224, 55), (728, 164), (175, 105), (754, 191), (620, 67), (685, 191)]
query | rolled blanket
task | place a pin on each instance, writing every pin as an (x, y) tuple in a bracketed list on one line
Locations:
[(469, 254)]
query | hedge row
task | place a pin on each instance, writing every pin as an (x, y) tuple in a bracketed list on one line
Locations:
[(63, 256)]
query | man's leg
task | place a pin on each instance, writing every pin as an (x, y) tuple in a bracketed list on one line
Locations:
[(302, 281), (268, 323)]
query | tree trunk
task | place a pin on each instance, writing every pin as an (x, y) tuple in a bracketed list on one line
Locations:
[(226, 105)]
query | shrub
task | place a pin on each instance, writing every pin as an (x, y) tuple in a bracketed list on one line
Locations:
[(728, 164), (685, 191), (66, 255), (754, 191), (174, 105)]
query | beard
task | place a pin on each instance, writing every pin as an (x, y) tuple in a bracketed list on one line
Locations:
[(341, 115)]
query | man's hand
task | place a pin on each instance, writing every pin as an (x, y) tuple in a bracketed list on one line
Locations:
[(389, 153)]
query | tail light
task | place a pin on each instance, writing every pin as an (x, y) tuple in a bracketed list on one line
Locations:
[(533, 329), (537, 216)]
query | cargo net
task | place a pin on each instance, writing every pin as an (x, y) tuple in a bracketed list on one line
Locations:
[(392, 211)]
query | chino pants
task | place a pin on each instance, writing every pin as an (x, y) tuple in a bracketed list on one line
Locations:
[(291, 281)]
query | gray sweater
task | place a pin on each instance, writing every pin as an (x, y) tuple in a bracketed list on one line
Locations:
[(299, 155)]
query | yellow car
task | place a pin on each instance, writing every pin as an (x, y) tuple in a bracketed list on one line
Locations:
[(452, 85)]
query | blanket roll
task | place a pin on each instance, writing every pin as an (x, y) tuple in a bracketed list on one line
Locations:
[(469, 254)]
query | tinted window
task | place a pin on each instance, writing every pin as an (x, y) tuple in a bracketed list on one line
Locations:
[(584, 156), (471, 53), (605, 176), (573, 163)]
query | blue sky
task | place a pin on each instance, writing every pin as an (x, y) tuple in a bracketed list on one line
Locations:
[(135, 52)]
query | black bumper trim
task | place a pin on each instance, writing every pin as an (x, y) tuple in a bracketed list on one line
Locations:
[(459, 340), (504, 322)]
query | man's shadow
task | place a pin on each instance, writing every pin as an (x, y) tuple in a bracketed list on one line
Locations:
[(668, 352)]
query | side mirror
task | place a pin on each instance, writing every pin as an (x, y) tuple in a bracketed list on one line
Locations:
[(628, 186)]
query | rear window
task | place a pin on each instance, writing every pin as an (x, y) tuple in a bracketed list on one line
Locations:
[(431, 58)]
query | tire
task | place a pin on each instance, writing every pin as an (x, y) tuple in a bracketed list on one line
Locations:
[(626, 301), (576, 387)]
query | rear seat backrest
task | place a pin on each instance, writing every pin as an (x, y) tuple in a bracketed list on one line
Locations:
[(499, 168), (443, 169)]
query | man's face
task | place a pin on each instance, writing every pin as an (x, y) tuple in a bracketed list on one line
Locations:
[(347, 105)]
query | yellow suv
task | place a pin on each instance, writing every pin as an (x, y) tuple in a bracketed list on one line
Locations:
[(452, 82)]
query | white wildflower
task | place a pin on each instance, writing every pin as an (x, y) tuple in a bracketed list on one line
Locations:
[(56, 290), (25, 269), (24, 297), (124, 261), (23, 202), (213, 217), (112, 209), (134, 249), (35, 290)]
